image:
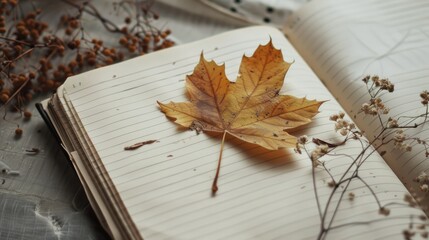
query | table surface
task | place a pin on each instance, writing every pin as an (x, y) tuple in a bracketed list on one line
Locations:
[(41, 197)]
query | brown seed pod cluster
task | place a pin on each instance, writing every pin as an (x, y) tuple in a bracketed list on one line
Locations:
[(37, 56)]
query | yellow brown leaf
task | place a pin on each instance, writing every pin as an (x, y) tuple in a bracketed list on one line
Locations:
[(250, 108)]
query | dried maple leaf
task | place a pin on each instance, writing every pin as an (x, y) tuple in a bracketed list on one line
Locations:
[(250, 109)]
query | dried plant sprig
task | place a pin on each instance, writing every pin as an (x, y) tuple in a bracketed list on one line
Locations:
[(36, 56), (392, 132), (375, 86)]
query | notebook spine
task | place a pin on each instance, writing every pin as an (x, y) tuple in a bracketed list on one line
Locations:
[(51, 128)]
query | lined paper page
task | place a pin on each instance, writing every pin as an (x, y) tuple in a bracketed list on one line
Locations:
[(166, 186), (344, 42)]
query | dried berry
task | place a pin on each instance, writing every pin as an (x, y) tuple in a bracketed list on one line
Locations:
[(27, 114), (18, 131), (54, 56)]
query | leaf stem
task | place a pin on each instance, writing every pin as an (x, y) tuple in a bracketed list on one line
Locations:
[(214, 185)]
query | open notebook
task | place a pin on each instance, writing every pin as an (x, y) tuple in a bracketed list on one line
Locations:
[(162, 190)]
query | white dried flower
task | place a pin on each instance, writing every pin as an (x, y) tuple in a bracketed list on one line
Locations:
[(338, 126), (392, 123), (385, 84), (408, 148), (384, 211), (423, 177), (424, 187), (323, 148), (316, 163), (342, 122), (365, 107), (399, 139), (318, 152), (343, 131), (333, 117), (302, 139), (366, 79), (425, 97), (385, 110), (351, 196), (408, 233)]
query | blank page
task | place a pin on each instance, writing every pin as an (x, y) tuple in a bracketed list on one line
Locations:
[(345, 42)]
